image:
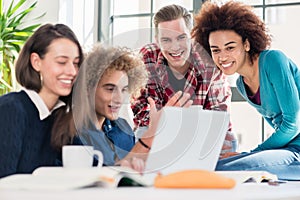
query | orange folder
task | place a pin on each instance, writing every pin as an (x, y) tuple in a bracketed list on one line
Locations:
[(194, 179)]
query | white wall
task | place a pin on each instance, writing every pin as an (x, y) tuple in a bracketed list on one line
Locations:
[(247, 125), (283, 25), (79, 15), (50, 7)]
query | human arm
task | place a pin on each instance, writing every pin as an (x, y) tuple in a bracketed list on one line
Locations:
[(219, 94), (140, 109), (219, 98), (154, 88), (11, 132), (138, 155), (228, 154), (280, 79)]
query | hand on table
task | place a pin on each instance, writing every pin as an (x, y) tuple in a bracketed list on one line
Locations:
[(228, 154), (135, 163)]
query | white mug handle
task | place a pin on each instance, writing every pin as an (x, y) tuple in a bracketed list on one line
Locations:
[(99, 156)]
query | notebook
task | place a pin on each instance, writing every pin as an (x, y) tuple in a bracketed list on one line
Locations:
[(187, 138)]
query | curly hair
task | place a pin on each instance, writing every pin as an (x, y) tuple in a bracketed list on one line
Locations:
[(99, 62), (235, 16), (102, 60)]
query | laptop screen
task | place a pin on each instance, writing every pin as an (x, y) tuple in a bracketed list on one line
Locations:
[(187, 138)]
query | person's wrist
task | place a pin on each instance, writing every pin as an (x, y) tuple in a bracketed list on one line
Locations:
[(144, 143)]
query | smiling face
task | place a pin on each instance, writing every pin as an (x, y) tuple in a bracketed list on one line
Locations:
[(58, 68), (228, 51), (111, 92), (174, 40)]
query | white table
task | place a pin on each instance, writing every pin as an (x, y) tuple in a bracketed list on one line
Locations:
[(246, 191)]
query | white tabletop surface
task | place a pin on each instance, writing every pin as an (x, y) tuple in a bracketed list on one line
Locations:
[(248, 191)]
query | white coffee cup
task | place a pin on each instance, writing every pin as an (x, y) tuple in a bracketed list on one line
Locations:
[(78, 156)]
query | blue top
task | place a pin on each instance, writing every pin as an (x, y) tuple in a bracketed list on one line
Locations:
[(279, 80), (25, 139), (115, 141)]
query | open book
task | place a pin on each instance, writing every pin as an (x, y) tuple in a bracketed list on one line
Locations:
[(59, 178), (249, 176)]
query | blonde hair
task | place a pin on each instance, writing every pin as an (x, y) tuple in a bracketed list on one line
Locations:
[(103, 60), (97, 63)]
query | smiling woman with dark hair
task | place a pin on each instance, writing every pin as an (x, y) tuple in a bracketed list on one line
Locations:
[(30, 119), (238, 42)]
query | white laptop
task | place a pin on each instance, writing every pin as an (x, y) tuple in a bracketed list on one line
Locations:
[(187, 138)]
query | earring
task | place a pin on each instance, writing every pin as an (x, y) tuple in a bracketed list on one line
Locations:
[(41, 79), (247, 45), (247, 48)]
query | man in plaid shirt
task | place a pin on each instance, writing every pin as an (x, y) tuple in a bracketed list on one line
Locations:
[(175, 64)]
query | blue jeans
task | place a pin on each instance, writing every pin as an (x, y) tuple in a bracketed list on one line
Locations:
[(285, 162)]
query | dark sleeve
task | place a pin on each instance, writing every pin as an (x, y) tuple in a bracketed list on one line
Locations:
[(12, 126)]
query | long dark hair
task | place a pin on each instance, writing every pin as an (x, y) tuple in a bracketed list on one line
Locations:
[(29, 78)]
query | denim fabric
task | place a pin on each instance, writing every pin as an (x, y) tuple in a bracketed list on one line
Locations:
[(285, 162), (115, 141)]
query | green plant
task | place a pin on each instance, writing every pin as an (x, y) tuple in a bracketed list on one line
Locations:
[(13, 34)]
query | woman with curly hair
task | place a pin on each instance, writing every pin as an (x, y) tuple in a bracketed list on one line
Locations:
[(238, 42), (108, 77)]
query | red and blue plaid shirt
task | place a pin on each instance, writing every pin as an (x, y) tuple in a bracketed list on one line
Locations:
[(206, 84)]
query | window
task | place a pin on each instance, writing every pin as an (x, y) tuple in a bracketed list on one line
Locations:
[(131, 25), (131, 21), (79, 15)]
